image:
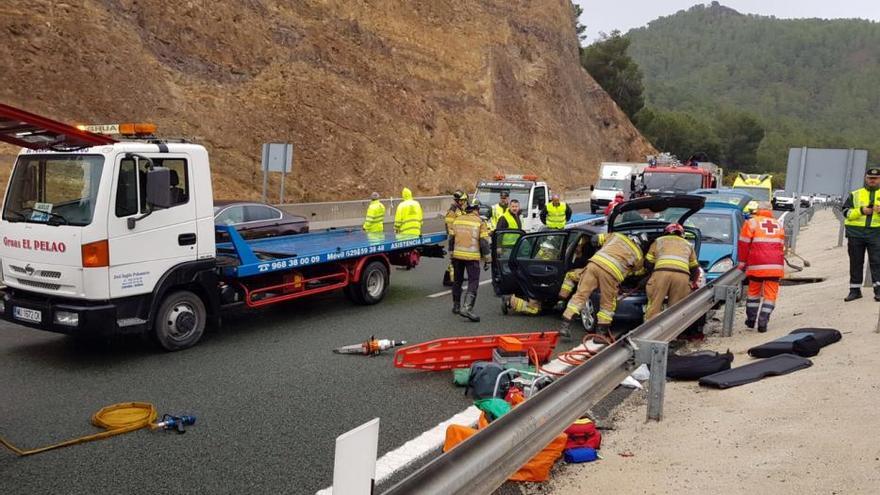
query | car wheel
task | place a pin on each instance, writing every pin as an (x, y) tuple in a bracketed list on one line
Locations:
[(180, 321), (588, 317), (373, 284)]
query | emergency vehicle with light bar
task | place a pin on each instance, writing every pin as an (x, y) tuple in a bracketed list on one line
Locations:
[(103, 236)]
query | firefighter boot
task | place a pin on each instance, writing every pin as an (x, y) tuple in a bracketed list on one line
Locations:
[(565, 329), (467, 309), (854, 293), (877, 292), (456, 307)]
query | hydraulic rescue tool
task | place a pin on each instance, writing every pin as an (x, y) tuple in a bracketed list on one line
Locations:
[(372, 347)]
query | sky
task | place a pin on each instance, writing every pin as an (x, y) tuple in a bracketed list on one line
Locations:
[(606, 16)]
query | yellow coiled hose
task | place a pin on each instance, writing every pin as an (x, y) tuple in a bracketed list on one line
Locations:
[(115, 419)]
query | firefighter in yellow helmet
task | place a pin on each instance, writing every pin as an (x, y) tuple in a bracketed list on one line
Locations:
[(618, 257), (469, 243), (675, 269), (408, 217), (456, 209), (375, 218)]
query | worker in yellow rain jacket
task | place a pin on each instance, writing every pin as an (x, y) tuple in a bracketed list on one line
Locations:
[(675, 269), (375, 218), (456, 209), (408, 217), (469, 243), (619, 257)]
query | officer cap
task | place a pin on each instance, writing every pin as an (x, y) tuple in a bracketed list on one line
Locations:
[(873, 172)]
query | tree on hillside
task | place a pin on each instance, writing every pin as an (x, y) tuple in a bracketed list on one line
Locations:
[(611, 66), (678, 133), (580, 29), (740, 135)]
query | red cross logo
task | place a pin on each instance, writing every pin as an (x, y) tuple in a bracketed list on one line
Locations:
[(769, 226)]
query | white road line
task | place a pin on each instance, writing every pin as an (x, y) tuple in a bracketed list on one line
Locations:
[(447, 292)]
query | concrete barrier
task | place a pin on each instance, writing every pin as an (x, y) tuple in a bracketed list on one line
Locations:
[(351, 213)]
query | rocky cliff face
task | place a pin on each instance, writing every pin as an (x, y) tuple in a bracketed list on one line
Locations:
[(375, 94)]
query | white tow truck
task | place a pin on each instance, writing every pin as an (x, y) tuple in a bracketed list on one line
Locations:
[(104, 237)]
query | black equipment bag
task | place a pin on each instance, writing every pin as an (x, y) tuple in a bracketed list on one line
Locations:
[(482, 378), (802, 344), (825, 336), (696, 365), (752, 372)]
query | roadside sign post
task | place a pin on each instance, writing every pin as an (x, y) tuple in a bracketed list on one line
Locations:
[(277, 157), (823, 171)]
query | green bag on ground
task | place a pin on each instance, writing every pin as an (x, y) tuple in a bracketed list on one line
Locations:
[(460, 376), (493, 407)]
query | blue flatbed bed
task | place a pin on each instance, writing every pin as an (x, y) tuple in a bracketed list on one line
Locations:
[(272, 254)]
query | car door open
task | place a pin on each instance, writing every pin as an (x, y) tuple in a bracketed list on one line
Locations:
[(503, 244), (539, 264)]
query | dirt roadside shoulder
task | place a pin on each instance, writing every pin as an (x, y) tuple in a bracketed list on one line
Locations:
[(812, 431)]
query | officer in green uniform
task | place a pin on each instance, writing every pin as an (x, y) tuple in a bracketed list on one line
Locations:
[(862, 212)]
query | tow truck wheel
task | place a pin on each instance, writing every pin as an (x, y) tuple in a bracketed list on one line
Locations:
[(372, 286), (180, 321)]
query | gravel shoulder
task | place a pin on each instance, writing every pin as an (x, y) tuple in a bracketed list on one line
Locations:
[(812, 431)]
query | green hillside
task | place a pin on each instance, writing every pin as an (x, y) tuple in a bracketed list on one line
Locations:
[(809, 81)]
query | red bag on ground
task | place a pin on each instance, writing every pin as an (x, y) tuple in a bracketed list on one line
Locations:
[(583, 433)]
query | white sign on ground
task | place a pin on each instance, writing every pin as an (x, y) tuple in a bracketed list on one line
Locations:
[(354, 468)]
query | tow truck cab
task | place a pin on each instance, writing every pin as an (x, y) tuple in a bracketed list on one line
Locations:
[(531, 193), (94, 236)]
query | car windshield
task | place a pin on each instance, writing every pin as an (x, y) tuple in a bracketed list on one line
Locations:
[(672, 181), (611, 184), (55, 189), (669, 215), (490, 197), (714, 228), (757, 193)]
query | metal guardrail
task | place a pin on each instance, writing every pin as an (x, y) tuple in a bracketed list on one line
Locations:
[(483, 462), (352, 212)]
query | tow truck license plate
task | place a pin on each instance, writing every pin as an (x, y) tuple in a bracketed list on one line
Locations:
[(27, 314)]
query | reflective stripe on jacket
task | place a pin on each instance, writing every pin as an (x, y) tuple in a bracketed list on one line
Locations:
[(762, 246), (619, 256), (469, 233), (672, 252), (452, 213), (556, 216), (374, 222), (854, 216)]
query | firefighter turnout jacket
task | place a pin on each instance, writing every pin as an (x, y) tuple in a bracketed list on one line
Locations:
[(762, 246), (469, 240), (672, 253), (619, 255), (452, 213)]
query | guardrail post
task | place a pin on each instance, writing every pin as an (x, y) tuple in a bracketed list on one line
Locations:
[(727, 293), (653, 353)]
